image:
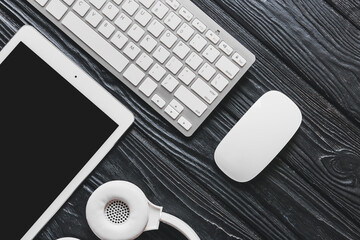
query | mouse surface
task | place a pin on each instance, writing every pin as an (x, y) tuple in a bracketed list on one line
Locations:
[(258, 136)]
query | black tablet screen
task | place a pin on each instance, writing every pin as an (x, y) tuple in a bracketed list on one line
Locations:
[(48, 130)]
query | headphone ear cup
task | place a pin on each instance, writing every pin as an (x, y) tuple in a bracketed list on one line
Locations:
[(117, 210)]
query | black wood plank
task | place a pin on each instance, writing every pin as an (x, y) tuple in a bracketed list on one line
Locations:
[(350, 9), (313, 40), (311, 190)]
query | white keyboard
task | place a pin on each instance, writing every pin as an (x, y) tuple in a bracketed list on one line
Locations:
[(169, 52)]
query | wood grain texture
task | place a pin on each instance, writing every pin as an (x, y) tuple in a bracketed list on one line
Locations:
[(310, 191), (350, 9), (314, 41)]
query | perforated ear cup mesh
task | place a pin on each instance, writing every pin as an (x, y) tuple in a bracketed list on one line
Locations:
[(117, 211)]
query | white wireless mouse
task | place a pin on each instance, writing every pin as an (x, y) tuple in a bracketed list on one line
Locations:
[(258, 136)]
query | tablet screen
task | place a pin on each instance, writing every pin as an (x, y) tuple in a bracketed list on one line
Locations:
[(49, 130)]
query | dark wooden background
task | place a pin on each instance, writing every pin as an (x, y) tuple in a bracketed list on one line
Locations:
[(309, 50)]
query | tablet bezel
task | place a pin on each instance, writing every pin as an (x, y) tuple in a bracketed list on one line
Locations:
[(90, 89)]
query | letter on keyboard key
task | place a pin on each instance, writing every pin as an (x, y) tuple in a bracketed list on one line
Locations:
[(160, 10), (173, 21), (81, 7), (130, 6), (97, 3), (194, 60), (181, 50), (148, 43), (190, 100), (147, 3), (185, 31), (186, 76), (156, 28), (95, 41), (227, 67)]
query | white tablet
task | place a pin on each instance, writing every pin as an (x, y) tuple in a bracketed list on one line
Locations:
[(56, 125)]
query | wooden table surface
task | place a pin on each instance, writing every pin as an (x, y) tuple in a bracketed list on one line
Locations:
[(309, 50)]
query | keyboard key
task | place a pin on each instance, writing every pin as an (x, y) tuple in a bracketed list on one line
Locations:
[(157, 72), (198, 42), (94, 18), (176, 105), (42, 2), (161, 54), (227, 67), (160, 10), (212, 37), (211, 53), (186, 76), (181, 50), (173, 3), (131, 50), (172, 21), (81, 7), (130, 6), (225, 48), (143, 17), (134, 74), (106, 29), (207, 72), (158, 101), (219, 82), (199, 25), (170, 83), (97, 3), (123, 22), (190, 100), (69, 2), (204, 91), (185, 31), (118, 2), (194, 61), (147, 3), (168, 39), (239, 59), (148, 87), (57, 9), (186, 14), (119, 40), (95, 42), (148, 43), (184, 123), (136, 32), (110, 10), (144, 61), (171, 112), (156, 28), (174, 65)]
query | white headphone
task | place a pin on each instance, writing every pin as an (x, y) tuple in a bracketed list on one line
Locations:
[(119, 210)]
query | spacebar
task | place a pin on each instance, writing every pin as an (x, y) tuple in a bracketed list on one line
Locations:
[(95, 41)]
